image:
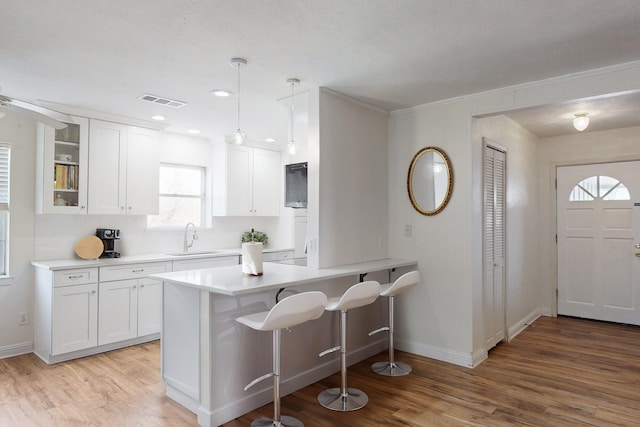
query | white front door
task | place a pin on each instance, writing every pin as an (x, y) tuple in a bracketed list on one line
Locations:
[(598, 229)]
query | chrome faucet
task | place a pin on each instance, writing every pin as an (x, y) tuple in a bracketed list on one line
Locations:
[(194, 237)]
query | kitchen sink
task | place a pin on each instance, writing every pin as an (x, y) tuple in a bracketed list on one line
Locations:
[(193, 253)]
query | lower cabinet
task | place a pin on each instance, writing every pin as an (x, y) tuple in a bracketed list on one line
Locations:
[(129, 309), (75, 318), (79, 312)]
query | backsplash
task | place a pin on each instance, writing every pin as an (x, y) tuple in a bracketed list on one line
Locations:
[(56, 235)]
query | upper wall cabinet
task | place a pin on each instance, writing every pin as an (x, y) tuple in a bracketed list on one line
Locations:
[(61, 170), (123, 172), (246, 181)]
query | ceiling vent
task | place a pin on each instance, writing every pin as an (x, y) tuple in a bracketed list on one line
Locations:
[(162, 101)]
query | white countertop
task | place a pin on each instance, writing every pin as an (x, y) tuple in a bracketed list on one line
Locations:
[(230, 280), (62, 264)]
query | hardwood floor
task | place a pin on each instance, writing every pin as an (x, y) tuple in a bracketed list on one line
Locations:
[(558, 372)]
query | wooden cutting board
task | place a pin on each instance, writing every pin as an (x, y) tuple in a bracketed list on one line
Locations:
[(89, 247)]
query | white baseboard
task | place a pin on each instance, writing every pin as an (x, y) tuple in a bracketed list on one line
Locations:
[(523, 323), (16, 350), (451, 356)]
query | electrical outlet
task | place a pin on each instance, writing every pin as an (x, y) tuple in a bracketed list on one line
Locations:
[(407, 230), (24, 318)]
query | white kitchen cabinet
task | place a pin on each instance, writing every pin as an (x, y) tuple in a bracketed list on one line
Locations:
[(130, 303), (84, 311), (149, 306), (118, 308), (61, 168), (246, 181), (65, 311), (75, 315), (123, 169)]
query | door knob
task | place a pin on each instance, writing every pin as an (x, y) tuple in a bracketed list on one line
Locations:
[(638, 254), (637, 245)]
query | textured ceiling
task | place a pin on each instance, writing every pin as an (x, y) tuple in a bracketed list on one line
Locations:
[(101, 56)]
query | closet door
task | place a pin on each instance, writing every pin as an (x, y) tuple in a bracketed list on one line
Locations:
[(494, 245)]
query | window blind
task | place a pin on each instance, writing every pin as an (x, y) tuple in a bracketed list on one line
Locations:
[(5, 159)]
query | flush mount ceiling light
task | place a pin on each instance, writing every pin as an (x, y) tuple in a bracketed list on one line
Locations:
[(238, 137), (292, 147), (581, 121), (158, 117)]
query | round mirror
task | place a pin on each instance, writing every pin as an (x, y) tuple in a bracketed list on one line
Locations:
[(430, 180)]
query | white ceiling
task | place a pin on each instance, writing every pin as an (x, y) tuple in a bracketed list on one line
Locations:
[(100, 56)]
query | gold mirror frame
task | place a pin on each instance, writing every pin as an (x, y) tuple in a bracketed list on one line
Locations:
[(410, 185)]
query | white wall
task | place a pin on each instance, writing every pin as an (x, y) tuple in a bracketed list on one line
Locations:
[(16, 294), (522, 285), (437, 321), (579, 148), (352, 181)]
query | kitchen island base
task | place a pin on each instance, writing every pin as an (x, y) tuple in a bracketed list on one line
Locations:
[(208, 358)]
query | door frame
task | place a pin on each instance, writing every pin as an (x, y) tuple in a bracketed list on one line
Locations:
[(553, 179)]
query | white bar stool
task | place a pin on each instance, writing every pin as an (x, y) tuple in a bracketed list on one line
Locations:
[(291, 311), (347, 399), (402, 284)]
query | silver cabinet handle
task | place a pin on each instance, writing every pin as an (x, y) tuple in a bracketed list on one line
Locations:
[(138, 271)]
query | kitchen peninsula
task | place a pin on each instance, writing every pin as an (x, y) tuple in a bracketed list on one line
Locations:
[(208, 358)]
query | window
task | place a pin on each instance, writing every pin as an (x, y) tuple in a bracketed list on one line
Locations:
[(5, 166), (604, 187), (182, 196)]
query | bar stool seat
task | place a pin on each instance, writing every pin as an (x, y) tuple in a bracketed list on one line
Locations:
[(347, 399), (291, 311), (392, 368)]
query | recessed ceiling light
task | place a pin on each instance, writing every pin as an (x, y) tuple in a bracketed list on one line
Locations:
[(158, 117), (221, 93), (269, 140), (194, 131)]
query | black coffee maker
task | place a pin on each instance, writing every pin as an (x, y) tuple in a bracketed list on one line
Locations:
[(109, 237)]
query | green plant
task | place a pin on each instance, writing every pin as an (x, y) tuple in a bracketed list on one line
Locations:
[(255, 236)]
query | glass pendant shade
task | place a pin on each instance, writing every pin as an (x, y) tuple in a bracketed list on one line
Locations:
[(292, 147), (581, 122), (239, 137)]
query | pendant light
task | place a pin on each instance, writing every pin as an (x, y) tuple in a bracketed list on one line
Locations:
[(581, 121), (292, 147), (238, 137)]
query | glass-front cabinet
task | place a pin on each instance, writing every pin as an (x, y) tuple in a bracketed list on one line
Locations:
[(61, 175)]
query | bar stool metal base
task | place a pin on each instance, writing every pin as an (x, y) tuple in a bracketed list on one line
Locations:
[(333, 399), (391, 369), (285, 421)]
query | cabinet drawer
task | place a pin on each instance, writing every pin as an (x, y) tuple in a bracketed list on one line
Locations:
[(75, 277), (132, 271), (194, 264), (284, 255)]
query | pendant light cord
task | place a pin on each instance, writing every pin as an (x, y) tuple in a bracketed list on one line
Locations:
[(238, 65)]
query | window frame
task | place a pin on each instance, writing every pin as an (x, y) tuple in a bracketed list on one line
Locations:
[(202, 196)]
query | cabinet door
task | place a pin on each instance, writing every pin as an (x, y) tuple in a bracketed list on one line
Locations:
[(149, 306), (143, 160), (61, 171), (266, 182), (75, 318), (107, 167), (118, 311), (239, 181)]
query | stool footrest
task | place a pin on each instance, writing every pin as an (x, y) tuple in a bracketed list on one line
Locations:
[(331, 350), (257, 380), (384, 328)]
